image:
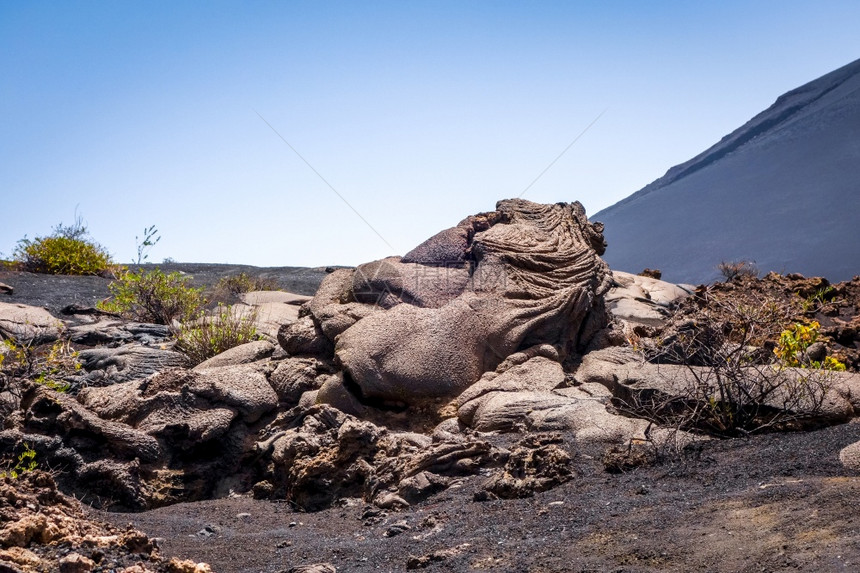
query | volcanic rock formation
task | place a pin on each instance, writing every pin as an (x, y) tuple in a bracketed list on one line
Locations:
[(431, 323)]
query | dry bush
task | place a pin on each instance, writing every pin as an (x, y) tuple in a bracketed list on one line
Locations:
[(736, 269), (242, 283), (734, 381), (50, 365)]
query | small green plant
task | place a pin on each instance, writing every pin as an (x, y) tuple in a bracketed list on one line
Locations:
[(150, 239), (819, 300), (212, 335), (795, 341), (46, 366), (152, 296), (242, 283), (25, 462), (67, 251)]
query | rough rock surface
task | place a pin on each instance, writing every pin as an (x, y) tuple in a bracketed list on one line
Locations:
[(537, 463), (42, 530), (133, 361), (242, 354), (27, 324), (850, 456), (325, 454), (177, 435), (530, 392), (112, 332), (295, 376), (474, 368)]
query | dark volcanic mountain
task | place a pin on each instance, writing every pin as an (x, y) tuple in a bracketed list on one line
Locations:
[(783, 190)]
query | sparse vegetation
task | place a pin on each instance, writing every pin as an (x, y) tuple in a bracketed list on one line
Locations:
[(152, 296), (736, 269), (737, 379), (210, 336), (242, 283), (150, 239), (818, 301), (46, 365), (25, 462), (67, 251), (794, 343)]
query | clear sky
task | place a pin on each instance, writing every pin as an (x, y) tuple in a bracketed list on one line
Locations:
[(417, 113)]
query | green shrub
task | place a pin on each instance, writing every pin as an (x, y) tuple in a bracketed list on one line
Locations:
[(60, 255), (66, 251), (793, 344), (212, 335), (152, 296)]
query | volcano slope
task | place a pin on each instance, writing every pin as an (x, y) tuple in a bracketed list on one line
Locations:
[(781, 190), (486, 401)]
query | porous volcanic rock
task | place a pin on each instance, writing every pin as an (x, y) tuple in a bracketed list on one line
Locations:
[(537, 463), (42, 530), (324, 454), (175, 436)]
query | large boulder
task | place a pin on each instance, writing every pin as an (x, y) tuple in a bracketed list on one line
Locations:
[(432, 323)]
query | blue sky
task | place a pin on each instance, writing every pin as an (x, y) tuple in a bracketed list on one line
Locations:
[(418, 113)]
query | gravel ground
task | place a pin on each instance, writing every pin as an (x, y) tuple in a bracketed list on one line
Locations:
[(779, 502)]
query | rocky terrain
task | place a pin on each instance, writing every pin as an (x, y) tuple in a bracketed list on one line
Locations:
[(497, 398)]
